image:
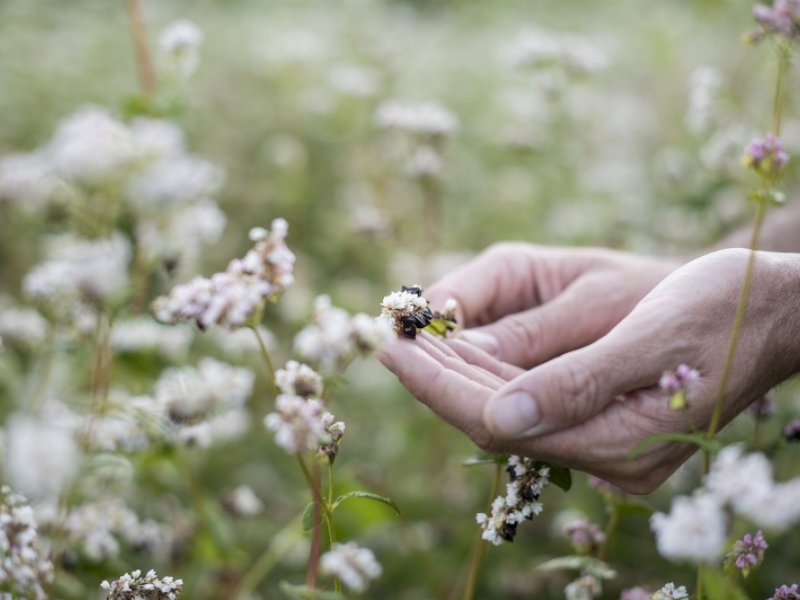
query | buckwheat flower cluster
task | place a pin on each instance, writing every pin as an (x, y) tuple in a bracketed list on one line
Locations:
[(301, 424), (748, 552), (670, 592), (299, 380), (766, 155), (520, 503), (407, 311), (24, 569), (745, 483), (334, 337), (694, 530), (636, 593), (586, 587), (353, 565), (787, 592), (782, 19), (586, 537), (179, 46), (135, 586), (538, 49), (233, 297), (423, 119)]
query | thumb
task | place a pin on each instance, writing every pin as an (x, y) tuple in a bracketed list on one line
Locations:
[(569, 389)]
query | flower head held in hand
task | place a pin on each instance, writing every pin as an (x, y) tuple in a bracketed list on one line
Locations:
[(677, 383), (135, 586), (408, 311), (520, 503)]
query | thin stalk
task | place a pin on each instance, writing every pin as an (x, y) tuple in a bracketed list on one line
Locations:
[(141, 51), (780, 88), (698, 590), (611, 528), (265, 357), (315, 550), (480, 548), (741, 308)]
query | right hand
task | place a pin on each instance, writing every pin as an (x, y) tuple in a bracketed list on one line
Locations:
[(525, 304)]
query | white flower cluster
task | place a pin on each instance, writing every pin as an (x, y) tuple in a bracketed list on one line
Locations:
[(299, 380), (21, 325), (233, 297), (302, 424), (24, 570), (521, 501), (426, 119), (179, 46), (143, 164), (89, 271), (243, 502), (586, 587), (696, 528), (134, 586), (353, 565), (407, 311), (544, 49), (96, 529), (670, 592), (334, 337), (142, 334)]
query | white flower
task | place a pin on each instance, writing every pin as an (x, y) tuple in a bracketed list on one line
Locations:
[(299, 379), (584, 588), (742, 480), (179, 45), (91, 146), (423, 119), (694, 531), (41, 456), (542, 49), (22, 325), (353, 565), (670, 592), (88, 270), (174, 182), (243, 502), (297, 423), (425, 162), (353, 80), (135, 586), (142, 334), (28, 179), (156, 139)]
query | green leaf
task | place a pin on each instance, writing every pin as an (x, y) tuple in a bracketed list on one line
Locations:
[(576, 562), (633, 506), (486, 458), (560, 476), (303, 592), (440, 327), (368, 496), (699, 439), (716, 586), (308, 517)]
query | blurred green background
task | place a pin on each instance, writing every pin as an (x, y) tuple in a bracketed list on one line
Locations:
[(285, 101)]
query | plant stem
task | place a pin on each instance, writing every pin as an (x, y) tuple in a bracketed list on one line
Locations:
[(265, 357), (698, 590), (318, 500), (480, 548), (144, 66), (780, 87), (611, 528)]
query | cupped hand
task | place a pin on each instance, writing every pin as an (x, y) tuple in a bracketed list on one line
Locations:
[(526, 304), (588, 408)]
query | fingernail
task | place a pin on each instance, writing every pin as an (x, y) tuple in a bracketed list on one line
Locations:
[(484, 341), (513, 416)]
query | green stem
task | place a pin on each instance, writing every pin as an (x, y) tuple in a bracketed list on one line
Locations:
[(780, 87), (611, 528), (698, 590), (265, 357), (480, 548), (741, 308)]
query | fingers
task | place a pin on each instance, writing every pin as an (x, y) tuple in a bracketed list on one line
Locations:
[(475, 356), (452, 395), (570, 389)]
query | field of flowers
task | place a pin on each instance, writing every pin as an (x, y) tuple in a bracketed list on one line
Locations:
[(203, 205)]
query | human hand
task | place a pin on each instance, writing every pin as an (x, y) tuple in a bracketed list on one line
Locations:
[(526, 304), (588, 408)]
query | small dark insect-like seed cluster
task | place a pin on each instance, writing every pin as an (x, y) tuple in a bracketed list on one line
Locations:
[(419, 319)]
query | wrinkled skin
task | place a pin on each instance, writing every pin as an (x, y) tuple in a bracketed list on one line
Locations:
[(588, 335)]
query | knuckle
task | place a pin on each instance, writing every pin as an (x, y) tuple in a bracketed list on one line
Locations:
[(577, 391)]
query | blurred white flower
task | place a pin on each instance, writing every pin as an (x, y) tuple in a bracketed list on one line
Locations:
[(704, 85), (94, 271), (423, 118), (91, 146), (670, 592), (695, 529), (143, 334), (41, 456), (174, 182), (243, 502), (156, 139), (22, 325), (538, 49), (179, 46), (425, 162), (297, 379), (586, 587), (353, 80), (353, 565), (28, 179), (136, 586), (297, 423)]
